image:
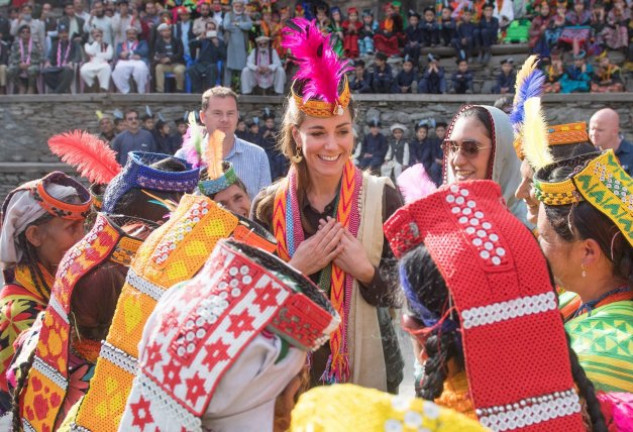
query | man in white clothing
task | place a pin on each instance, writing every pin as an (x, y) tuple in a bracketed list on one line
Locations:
[(132, 61), (124, 19), (99, 19), (263, 69)]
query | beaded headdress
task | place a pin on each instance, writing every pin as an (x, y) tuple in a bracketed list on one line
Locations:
[(138, 173), (321, 72), (348, 407), (48, 379), (240, 292), (174, 253), (507, 308), (600, 180), (52, 205)]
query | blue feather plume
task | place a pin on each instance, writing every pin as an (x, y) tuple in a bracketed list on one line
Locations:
[(529, 83)]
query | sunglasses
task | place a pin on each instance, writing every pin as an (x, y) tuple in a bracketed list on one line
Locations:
[(469, 148)]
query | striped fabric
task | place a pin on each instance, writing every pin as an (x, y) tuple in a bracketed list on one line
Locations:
[(603, 341), (251, 165)]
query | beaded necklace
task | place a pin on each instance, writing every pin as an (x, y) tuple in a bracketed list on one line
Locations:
[(577, 308), (289, 233)]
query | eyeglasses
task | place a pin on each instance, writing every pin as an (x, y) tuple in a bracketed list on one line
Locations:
[(132, 118), (469, 148)]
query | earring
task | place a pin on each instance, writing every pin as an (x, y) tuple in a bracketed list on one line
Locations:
[(296, 159), (583, 273)]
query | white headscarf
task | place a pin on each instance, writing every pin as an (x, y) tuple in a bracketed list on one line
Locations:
[(22, 211), (506, 167)]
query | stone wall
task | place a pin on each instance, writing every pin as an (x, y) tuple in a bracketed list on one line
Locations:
[(26, 122)]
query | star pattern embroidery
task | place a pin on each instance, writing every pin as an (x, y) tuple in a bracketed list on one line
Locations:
[(141, 413), (195, 388), (172, 376), (265, 297), (240, 323), (216, 352), (153, 355), (169, 322)]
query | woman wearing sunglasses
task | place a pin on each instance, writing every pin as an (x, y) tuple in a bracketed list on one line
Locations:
[(479, 147)]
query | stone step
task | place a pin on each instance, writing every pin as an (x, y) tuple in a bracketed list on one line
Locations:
[(499, 49)]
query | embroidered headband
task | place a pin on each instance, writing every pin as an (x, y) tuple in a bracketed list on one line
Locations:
[(106, 240), (321, 73), (239, 293), (210, 187), (601, 181), (502, 292), (138, 173), (58, 208)]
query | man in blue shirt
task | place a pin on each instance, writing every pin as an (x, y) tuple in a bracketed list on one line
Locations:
[(604, 132), (219, 111), (133, 139)]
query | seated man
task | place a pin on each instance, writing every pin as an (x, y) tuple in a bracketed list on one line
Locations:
[(132, 56), (24, 61), (168, 56), (59, 69), (208, 51), (263, 69)]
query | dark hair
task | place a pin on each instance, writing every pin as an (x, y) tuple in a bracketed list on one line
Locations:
[(95, 296), (130, 110), (220, 92), (425, 288), (583, 221)]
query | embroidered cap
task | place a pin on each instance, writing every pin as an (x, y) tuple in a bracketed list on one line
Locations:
[(48, 379), (138, 173), (598, 179), (203, 328), (348, 407), (505, 301)]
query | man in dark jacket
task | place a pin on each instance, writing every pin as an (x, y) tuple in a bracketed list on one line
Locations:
[(373, 148), (506, 78), (59, 69), (209, 52), (73, 23), (168, 56), (432, 81), (486, 33), (464, 40), (462, 78), (359, 80), (428, 152)]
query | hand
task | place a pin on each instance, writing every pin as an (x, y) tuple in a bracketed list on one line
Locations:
[(315, 253), (353, 258), (165, 60)]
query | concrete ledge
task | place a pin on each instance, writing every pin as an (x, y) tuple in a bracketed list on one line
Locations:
[(28, 167), (167, 99), (500, 49)]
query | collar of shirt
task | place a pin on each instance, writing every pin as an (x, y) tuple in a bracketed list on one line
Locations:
[(238, 148)]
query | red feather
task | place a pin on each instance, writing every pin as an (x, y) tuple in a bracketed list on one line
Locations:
[(92, 157), (319, 65)]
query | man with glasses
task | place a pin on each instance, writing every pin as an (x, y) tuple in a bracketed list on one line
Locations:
[(133, 139)]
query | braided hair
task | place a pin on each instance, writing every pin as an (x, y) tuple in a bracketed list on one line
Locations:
[(428, 298)]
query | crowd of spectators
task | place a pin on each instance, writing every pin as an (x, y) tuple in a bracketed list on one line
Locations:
[(188, 45)]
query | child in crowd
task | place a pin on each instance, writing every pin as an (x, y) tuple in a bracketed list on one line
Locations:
[(462, 78), (486, 33), (351, 30), (506, 78), (447, 26), (359, 79), (554, 71), (464, 40), (399, 156), (616, 32), (607, 77), (414, 37), (367, 33), (557, 24), (428, 151), (430, 28), (390, 33), (432, 81), (577, 77), (406, 79), (336, 30), (382, 77), (599, 26), (373, 148), (540, 24)]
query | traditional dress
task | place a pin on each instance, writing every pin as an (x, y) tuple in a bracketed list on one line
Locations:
[(253, 320), (275, 77), (98, 65), (28, 284), (64, 361), (236, 27), (501, 295), (174, 253)]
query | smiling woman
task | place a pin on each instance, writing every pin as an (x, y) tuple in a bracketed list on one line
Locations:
[(327, 217), (479, 147)]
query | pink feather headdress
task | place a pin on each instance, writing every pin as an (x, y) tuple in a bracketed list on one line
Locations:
[(320, 69)]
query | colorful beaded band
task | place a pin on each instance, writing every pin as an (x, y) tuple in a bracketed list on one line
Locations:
[(211, 187), (569, 133), (317, 108)]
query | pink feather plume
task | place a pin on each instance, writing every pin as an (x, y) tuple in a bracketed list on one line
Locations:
[(92, 157), (318, 62), (414, 183)]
